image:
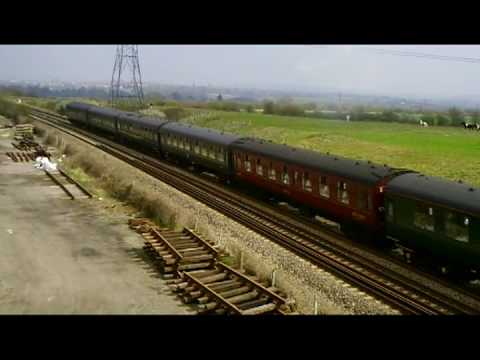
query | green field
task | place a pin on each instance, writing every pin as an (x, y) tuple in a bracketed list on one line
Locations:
[(453, 153)]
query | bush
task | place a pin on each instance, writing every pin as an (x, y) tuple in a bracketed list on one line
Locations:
[(175, 113), (290, 110), (443, 120), (269, 107)]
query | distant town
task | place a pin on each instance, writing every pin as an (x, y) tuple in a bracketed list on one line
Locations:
[(328, 100)]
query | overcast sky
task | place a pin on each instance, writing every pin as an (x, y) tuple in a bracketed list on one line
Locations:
[(344, 68)]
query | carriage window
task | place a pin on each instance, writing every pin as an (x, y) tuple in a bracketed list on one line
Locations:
[(272, 174), (363, 200), (180, 143), (187, 146), (196, 148), (259, 168), (203, 149), (220, 154), (238, 161), (248, 164), (390, 214), (456, 226), (423, 217), (323, 188), (285, 176), (307, 184), (295, 177), (211, 152), (342, 192)]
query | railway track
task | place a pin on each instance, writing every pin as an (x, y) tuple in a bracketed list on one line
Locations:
[(202, 280), (404, 294), (21, 156), (71, 187)]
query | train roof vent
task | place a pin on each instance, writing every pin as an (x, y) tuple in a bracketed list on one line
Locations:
[(372, 167), (335, 158), (357, 163), (460, 181), (368, 161), (471, 189), (328, 152), (385, 165)]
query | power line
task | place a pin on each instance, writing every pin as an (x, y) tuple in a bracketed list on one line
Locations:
[(423, 55)]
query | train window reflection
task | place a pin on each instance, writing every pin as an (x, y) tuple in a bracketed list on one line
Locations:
[(423, 217), (324, 190), (342, 192), (456, 226)]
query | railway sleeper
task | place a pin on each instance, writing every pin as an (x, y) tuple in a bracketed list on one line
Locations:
[(201, 265), (262, 300), (258, 310), (233, 300)]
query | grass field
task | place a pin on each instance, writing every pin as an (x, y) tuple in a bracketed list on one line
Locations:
[(453, 153)]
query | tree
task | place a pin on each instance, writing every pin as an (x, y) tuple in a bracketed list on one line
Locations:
[(290, 110), (175, 114), (456, 116), (311, 106), (250, 108), (389, 116), (443, 120), (476, 116), (268, 107), (219, 97)]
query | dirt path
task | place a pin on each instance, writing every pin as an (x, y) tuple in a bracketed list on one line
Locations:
[(64, 257)]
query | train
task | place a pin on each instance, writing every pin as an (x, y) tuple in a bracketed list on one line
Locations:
[(424, 217)]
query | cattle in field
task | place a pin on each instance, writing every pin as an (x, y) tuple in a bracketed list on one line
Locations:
[(470, 126), (423, 123)]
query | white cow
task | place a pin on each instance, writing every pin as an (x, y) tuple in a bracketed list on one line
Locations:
[(423, 123)]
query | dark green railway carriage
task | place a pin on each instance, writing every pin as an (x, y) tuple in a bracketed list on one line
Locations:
[(103, 119), (436, 218), (142, 130), (77, 112), (205, 148)]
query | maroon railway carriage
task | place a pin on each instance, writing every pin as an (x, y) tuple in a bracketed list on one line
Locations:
[(345, 190)]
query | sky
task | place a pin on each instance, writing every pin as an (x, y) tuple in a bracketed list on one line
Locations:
[(348, 68)]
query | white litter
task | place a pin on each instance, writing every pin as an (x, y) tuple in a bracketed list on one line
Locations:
[(10, 231), (43, 163)]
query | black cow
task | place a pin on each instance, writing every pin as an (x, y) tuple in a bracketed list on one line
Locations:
[(470, 126)]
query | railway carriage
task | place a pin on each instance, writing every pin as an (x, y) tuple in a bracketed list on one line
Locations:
[(204, 148), (77, 112), (348, 191), (103, 119), (423, 215), (141, 130), (436, 218)]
